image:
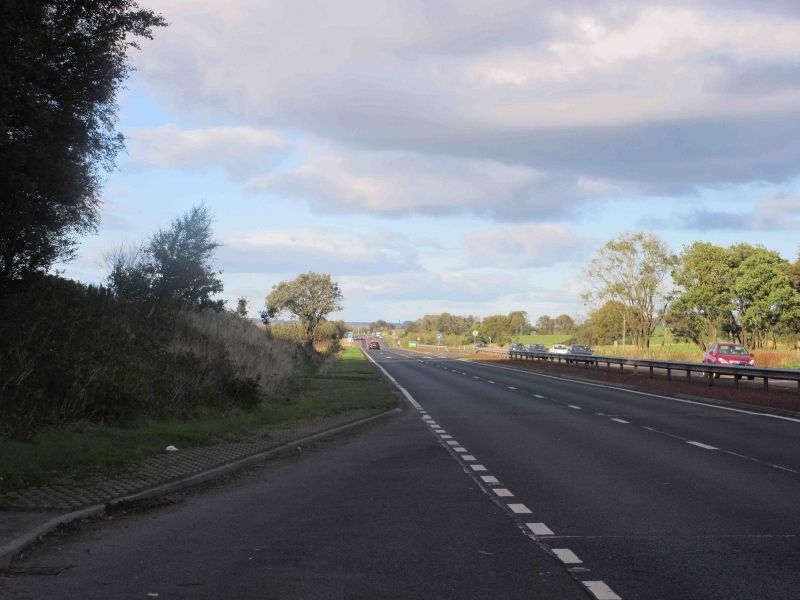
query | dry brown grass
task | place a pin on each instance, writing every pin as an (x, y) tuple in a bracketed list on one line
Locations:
[(779, 359)]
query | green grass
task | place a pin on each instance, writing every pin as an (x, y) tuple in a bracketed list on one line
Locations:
[(62, 455), (543, 338)]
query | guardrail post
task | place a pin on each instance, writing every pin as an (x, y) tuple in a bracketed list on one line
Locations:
[(710, 379), (651, 372), (669, 374), (689, 374), (766, 383), (736, 379)]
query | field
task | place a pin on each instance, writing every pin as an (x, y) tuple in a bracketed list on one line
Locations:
[(87, 449)]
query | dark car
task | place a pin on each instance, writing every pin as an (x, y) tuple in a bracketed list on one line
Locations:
[(374, 346), (726, 353), (579, 349), (480, 345), (516, 348), (537, 348)]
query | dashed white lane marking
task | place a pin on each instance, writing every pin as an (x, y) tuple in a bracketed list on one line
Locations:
[(452, 442), (460, 449), (440, 431), (539, 396), (489, 479), (502, 492), (447, 437), (704, 446), (575, 407), (478, 467), (511, 387), (600, 590), (519, 509), (567, 556), (539, 529), (475, 377), (490, 381), (620, 421), (469, 457)]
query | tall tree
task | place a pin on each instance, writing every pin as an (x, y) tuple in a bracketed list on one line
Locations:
[(632, 270), (61, 65), (703, 304), (310, 297), (563, 324), (544, 325), (517, 321)]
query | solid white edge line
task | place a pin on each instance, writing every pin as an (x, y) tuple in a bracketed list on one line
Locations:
[(403, 390), (600, 590), (619, 389), (703, 446)]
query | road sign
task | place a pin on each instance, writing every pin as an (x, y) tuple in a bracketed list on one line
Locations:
[(438, 337), (475, 333)]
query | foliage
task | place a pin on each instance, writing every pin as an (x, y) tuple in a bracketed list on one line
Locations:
[(174, 265), (310, 297), (241, 308), (62, 65), (632, 270), (604, 325), (70, 352)]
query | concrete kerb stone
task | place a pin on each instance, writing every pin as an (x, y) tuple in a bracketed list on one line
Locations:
[(16, 546)]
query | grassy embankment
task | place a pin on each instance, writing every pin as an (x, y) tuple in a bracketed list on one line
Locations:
[(87, 449)]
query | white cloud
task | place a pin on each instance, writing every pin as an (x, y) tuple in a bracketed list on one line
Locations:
[(237, 149), (523, 246), (315, 249)]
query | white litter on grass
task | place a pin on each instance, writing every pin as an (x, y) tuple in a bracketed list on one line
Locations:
[(170, 449)]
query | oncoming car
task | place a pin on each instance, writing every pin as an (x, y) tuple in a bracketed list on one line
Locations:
[(725, 353), (558, 349), (516, 348), (373, 345), (579, 349), (537, 348)]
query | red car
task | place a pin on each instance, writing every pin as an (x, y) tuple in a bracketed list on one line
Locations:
[(725, 353)]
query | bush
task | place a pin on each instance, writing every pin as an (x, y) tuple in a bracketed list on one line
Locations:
[(70, 352)]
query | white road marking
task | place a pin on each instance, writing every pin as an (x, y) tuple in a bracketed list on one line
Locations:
[(403, 390), (491, 381), (502, 492), (489, 479), (539, 529), (575, 407), (620, 421), (475, 377), (567, 556), (538, 396), (511, 387), (447, 437), (600, 590), (460, 449), (440, 431), (519, 509), (478, 467), (452, 442), (469, 457), (704, 446)]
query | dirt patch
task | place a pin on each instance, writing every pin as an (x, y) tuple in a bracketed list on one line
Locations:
[(782, 396)]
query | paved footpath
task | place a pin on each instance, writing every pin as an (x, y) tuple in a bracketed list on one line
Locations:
[(382, 512), (26, 509)]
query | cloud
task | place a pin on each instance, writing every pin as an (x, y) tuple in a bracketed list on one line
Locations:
[(523, 246), (236, 149), (316, 249), (519, 109), (466, 286), (334, 179), (777, 213)]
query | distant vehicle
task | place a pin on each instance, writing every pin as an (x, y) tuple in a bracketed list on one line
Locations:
[(558, 349), (374, 346), (579, 349), (537, 348), (724, 353), (480, 345), (516, 348)]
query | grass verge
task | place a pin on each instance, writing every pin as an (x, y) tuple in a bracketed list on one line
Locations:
[(62, 456)]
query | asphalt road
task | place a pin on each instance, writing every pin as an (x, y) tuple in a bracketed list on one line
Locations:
[(658, 498), (505, 484)]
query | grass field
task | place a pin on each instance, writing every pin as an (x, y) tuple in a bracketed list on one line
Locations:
[(86, 450)]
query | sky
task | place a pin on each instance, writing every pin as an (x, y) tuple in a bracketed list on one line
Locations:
[(459, 156)]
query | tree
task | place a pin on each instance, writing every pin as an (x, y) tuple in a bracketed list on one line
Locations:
[(181, 260), (517, 321), (632, 270), (496, 327), (765, 296), (703, 304), (563, 324), (310, 297), (544, 325), (176, 264), (241, 307), (604, 325), (61, 64)]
